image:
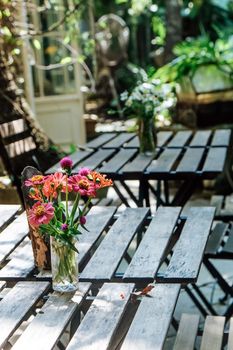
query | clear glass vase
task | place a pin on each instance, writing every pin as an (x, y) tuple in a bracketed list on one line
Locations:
[(147, 136), (64, 261)]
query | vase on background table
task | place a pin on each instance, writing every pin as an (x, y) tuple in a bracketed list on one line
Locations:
[(147, 136), (64, 261)]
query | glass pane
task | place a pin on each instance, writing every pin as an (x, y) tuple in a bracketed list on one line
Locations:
[(49, 51)]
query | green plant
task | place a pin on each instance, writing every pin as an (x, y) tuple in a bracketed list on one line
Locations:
[(193, 53)]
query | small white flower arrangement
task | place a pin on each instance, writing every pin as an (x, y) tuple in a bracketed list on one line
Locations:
[(150, 100)]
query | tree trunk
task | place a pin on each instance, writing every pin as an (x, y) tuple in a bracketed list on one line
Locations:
[(174, 27)]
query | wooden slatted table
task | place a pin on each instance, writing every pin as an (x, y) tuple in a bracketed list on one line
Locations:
[(184, 155), (111, 318)]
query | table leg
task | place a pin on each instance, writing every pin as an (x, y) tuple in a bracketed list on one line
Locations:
[(185, 191), (130, 193), (143, 193), (166, 192), (122, 198)]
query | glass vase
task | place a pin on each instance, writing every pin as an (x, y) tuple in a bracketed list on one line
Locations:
[(64, 261), (147, 136)]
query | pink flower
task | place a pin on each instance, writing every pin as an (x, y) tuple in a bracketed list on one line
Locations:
[(82, 220), (66, 163), (40, 213), (84, 171), (82, 185), (35, 180)]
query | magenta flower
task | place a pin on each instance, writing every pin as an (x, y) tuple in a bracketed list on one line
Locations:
[(84, 171), (82, 220), (64, 227), (66, 163), (40, 213), (82, 185)]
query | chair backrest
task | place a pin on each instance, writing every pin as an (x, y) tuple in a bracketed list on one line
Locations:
[(22, 141), (20, 148)]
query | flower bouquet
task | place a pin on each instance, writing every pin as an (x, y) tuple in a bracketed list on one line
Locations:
[(53, 217), (148, 102)]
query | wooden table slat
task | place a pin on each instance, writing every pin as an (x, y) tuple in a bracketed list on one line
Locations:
[(163, 137), (100, 140), (58, 307), (12, 235), (98, 219), (190, 161), (119, 140), (180, 139), (134, 143), (216, 238), (215, 160), (230, 337), (221, 137), (98, 325), (200, 138), (108, 255), (187, 332), (165, 161), (151, 322), (7, 213), (15, 305), (188, 252), (149, 254), (138, 164), (213, 333), (21, 265), (118, 161), (228, 247), (95, 159)]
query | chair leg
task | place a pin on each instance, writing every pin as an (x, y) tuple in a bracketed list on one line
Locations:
[(227, 289)]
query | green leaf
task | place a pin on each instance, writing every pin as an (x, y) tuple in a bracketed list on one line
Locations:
[(84, 228), (37, 44), (68, 243), (81, 58), (66, 60), (6, 31), (118, 2)]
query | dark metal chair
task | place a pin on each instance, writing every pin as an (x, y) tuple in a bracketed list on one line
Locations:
[(21, 145)]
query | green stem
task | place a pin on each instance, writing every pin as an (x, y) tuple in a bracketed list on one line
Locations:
[(66, 263), (67, 213), (54, 229), (86, 206), (74, 209)]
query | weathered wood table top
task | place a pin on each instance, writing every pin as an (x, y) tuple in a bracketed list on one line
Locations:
[(184, 152), (105, 292), (184, 155), (132, 236), (154, 237)]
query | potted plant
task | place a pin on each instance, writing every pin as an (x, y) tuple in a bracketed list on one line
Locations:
[(203, 72)]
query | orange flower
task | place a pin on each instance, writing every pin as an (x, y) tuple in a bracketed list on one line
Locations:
[(54, 184), (35, 194), (99, 180)]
